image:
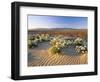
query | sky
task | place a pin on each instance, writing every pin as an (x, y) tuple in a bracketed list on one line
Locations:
[(40, 21)]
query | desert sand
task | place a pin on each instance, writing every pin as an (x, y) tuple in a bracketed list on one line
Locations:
[(42, 57)]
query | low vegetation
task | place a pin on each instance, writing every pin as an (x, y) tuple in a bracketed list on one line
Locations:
[(58, 42)]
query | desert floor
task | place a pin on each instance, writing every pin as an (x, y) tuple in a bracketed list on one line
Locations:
[(40, 56)]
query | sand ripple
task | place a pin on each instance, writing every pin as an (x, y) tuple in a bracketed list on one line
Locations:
[(44, 58)]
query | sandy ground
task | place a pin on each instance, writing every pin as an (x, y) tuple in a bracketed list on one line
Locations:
[(40, 56)]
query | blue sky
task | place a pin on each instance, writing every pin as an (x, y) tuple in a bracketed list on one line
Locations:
[(39, 21)]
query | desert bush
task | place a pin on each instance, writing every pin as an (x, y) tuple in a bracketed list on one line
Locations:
[(63, 43), (78, 41), (57, 44), (45, 37), (40, 39), (31, 37), (81, 49), (54, 50), (69, 42), (29, 44), (35, 42), (32, 43)]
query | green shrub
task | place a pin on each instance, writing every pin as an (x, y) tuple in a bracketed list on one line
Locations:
[(54, 50), (44, 37), (81, 49), (58, 42), (31, 37), (78, 41), (29, 44)]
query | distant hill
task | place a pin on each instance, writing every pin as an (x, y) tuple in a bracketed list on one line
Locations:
[(61, 31), (53, 29)]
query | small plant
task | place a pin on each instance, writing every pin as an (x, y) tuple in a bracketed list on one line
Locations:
[(57, 44), (78, 41), (81, 49), (45, 37), (81, 45), (54, 50), (31, 37), (32, 43), (29, 44), (35, 42), (69, 42)]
